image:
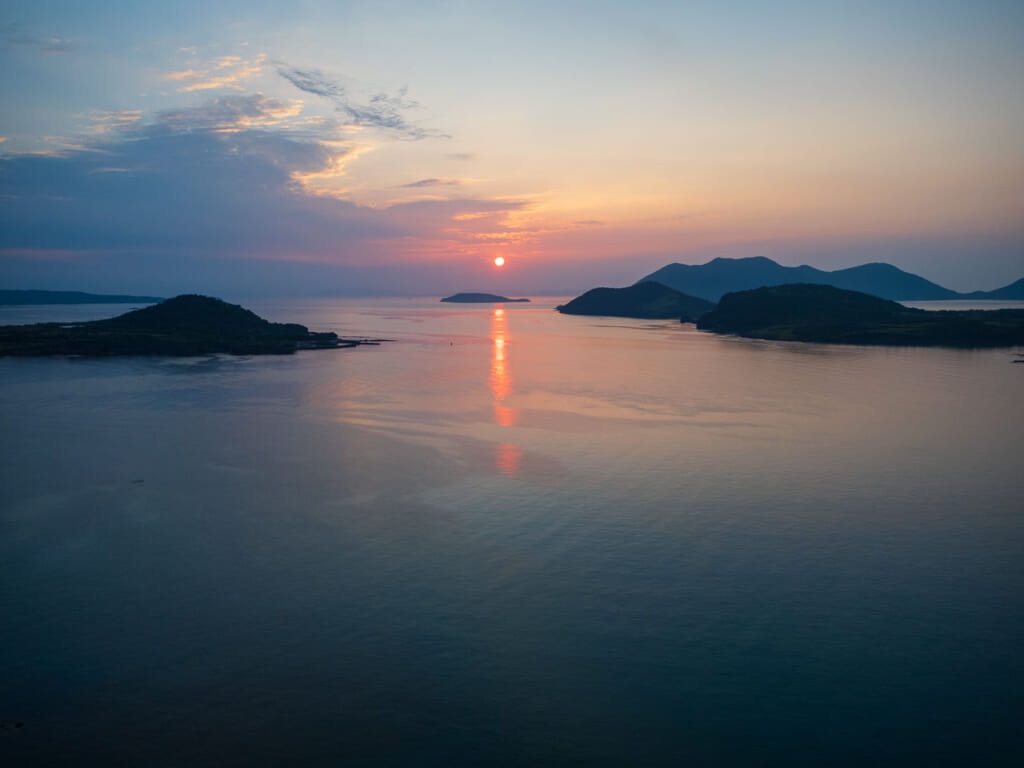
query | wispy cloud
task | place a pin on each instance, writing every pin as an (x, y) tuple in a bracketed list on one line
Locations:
[(382, 110), (105, 122), (461, 156), (432, 183), (224, 72), (229, 114), (12, 35)]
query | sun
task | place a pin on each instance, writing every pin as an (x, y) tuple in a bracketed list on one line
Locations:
[(499, 261)]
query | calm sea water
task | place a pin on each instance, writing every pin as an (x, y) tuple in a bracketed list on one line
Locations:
[(510, 537)]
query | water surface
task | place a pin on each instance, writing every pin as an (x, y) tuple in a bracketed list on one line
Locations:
[(513, 537)]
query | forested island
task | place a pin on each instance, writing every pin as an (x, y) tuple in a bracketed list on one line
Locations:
[(185, 325), (480, 298), (648, 300), (825, 314)]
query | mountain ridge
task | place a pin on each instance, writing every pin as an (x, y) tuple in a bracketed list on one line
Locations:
[(720, 276)]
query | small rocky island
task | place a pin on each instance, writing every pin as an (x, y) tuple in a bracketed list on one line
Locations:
[(480, 298), (649, 300), (184, 325), (825, 314)]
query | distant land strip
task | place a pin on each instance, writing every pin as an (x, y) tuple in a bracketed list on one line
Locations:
[(11, 297), (480, 298)]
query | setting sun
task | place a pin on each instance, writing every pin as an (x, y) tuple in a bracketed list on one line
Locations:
[(499, 261)]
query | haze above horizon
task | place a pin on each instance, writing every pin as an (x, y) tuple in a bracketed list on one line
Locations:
[(396, 147)]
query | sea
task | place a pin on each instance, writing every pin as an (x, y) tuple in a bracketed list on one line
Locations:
[(508, 537)]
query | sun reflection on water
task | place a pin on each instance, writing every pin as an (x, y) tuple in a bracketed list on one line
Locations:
[(506, 455)]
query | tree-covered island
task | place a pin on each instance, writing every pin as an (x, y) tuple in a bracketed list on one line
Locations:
[(825, 314), (184, 325)]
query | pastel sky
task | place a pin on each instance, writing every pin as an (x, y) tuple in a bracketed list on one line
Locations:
[(333, 148)]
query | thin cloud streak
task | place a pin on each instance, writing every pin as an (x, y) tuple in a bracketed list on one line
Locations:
[(225, 72), (383, 111), (432, 183), (13, 36)]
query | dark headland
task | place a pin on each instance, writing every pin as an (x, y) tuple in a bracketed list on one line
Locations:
[(480, 298), (184, 325), (648, 300), (71, 297), (825, 314)]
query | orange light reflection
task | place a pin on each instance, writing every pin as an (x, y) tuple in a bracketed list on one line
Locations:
[(507, 457), (501, 382)]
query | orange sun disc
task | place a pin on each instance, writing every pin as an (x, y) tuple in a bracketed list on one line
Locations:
[(499, 261)]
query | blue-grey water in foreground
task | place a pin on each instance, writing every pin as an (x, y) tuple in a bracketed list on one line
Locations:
[(513, 538)]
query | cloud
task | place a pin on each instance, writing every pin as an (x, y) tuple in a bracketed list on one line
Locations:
[(432, 183), (224, 72), (182, 182), (382, 111), (229, 114), (13, 36), (461, 155), (119, 120), (232, 179)]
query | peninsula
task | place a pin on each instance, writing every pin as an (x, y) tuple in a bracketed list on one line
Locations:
[(825, 314), (479, 298), (184, 325), (650, 300)]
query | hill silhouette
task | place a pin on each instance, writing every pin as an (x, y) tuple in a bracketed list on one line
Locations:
[(826, 314), (713, 280), (184, 325), (1012, 292), (650, 300)]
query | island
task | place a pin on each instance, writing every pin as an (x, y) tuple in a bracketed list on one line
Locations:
[(826, 314), (480, 298), (185, 325), (23, 297), (648, 300)]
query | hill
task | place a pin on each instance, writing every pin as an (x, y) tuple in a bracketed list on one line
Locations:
[(1012, 292), (480, 298), (720, 276), (645, 300), (184, 325), (71, 297), (826, 314)]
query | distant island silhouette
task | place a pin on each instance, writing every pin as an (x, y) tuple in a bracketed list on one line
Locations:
[(714, 279), (480, 298), (649, 300), (8, 297), (826, 314), (185, 325)]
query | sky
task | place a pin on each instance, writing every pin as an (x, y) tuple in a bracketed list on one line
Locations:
[(397, 148)]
